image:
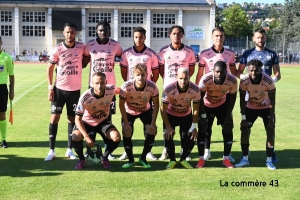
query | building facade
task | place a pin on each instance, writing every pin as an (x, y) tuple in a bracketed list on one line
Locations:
[(37, 25)]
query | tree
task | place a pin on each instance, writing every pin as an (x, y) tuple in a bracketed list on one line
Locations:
[(218, 16), (235, 22)]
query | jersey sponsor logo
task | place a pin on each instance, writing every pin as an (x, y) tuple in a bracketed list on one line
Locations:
[(178, 110), (98, 115)]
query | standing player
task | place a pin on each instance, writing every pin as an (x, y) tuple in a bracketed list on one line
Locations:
[(268, 57), (208, 58), (171, 58), (139, 53), (66, 90), (101, 53), (261, 103), (134, 103), (6, 70), (218, 95), (92, 116), (176, 111)]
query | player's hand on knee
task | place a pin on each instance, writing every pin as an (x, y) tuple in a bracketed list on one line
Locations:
[(89, 142), (170, 132), (126, 130), (151, 129), (51, 95), (193, 134)]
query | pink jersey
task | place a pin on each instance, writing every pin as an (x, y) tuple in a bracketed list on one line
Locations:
[(258, 93), (103, 58), (215, 94), (130, 58), (69, 65), (173, 59), (180, 102), (210, 56), (94, 109), (137, 101)]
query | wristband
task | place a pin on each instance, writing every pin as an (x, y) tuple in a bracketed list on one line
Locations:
[(203, 115), (243, 117), (242, 76), (194, 125), (275, 79), (50, 87)]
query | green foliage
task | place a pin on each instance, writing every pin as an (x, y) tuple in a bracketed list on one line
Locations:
[(235, 22)]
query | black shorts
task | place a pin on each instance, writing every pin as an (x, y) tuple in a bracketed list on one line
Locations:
[(101, 128), (184, 123), (145, 117), (253, 114), (218, 112), (3, 97), (62, 97)]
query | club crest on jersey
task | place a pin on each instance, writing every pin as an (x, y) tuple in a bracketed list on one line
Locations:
[(1, 68), (144, 59), (79, 107), (76, 54), (145, 98), (268, 57), (108, 51), (187, 99), (106, 102)]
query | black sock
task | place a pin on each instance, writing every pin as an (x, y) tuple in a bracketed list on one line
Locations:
[(78, 147), (245, 149), (70, 131), (52, 135), (128, 148), (187, 149), (111, 146), (148, 144), (170, 149), (227, 142), (270, 151), (201, 143)]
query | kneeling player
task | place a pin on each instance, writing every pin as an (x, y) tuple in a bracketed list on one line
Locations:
[(134, 103), (261, 103), (92, 116), (218, 95), (176, 111)]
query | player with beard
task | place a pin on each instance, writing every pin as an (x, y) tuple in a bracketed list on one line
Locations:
[(208, 58), (139, 53), (101, 53), (66, 90), (173, 56), (261, 103), (218, 96), (268, 57), (134, 103), (92, 116), (176, 111)]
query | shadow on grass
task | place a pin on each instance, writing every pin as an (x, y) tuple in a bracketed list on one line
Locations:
[(17, 166)]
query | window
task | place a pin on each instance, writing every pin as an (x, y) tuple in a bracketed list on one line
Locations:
[(6, 16), (160, 32), (132, 18), (163, 18), (30, 16), (6, 30), (92, 31), (96, 17), (34, 31), (126, 32)]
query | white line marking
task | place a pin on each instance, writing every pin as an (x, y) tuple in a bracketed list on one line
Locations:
[(22, 95)]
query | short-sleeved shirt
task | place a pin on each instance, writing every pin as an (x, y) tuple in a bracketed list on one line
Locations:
[(258, 93), (103, 58), (69, 65), (210, 56), (137, 101), (130, 57), (215, 94), (266, 56), (179, 103), (173, 59), (6, 67), (93, 109)]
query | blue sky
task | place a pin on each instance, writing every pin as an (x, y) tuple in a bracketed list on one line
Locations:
[(249, 1)]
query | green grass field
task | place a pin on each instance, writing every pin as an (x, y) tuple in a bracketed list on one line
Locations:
[(25, 175)]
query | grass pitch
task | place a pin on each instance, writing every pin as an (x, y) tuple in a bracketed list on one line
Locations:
[(25, 175)]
